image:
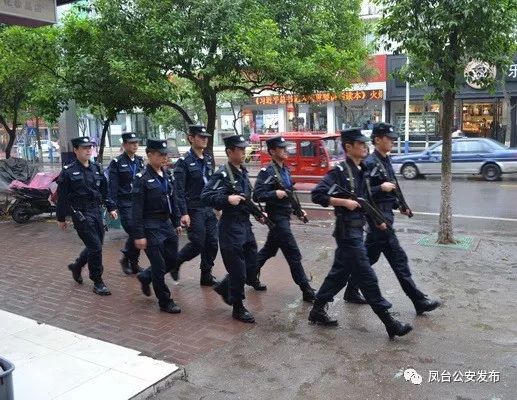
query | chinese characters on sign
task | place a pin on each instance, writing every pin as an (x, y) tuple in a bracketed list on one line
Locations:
[(481, 376), (28, 12), (512, 71), (320, 97)]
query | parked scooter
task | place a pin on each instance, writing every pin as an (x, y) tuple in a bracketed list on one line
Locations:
[(38, 197)]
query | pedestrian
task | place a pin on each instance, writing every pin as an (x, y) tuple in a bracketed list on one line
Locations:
[(227, 190), (192, 172), (350, 256), (156, 220), (122, 171), (279, 210), (82, 189), (382, 185)]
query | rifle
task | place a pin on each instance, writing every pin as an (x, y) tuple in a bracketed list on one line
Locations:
[(340, 192), (402, 200), (293, 199), (256, 211)]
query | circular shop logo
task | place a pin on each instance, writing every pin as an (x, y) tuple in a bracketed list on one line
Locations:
[(477, 71)]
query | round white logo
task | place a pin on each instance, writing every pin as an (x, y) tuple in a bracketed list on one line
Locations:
[(85, 139), (241, 139), (411, 375), (478, 70), (164, 144)]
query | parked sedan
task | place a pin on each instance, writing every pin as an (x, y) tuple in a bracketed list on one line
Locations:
[(477, 156)]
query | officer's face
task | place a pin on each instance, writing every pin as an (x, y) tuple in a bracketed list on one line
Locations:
[(199, 142), (357, 150), (130, 147), (157, 159), (279, 153), (236, 155), (83, 153), (384, 143)]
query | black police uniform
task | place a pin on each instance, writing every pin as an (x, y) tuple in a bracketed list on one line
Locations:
[(192, 174), (350, 257), (122, 171), (279, 211), (81, 193), (155, 216), (236, 239), (386, 242)]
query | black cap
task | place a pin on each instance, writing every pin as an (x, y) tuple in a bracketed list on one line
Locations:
[(198, 130), (81, 141), (384, 129), (129, 137), (235, 141), (276, 141), (353, 135), (158, 145)]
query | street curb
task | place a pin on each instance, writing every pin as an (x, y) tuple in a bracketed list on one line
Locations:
[(158, 387)]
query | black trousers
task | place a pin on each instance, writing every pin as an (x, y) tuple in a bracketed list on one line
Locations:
[(281, 237), (162, 252), (239, 253), (351, 260), (126, 219), (202, 235), (91, 232)]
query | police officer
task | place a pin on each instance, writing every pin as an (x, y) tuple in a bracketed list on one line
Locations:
[(191, 173), (82, 189), (350, 257), (224, 191), (156, 219), (382, 193), (279, 210), (122, 171)]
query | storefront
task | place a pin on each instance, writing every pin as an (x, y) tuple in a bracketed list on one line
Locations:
[(477, 112)]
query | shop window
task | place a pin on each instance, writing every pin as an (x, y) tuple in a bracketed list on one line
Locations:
[(308, 149)]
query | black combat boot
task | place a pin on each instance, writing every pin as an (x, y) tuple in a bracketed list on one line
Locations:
[(352, 295), (393, 326), (241, 313), (135, 266), (76, 272), (255, 283), (171, 307), (319, 316), (124, 263), (144, 285), (100, 288), (207, 279), (425, 304), (223, 292), (308, 293), (175, 272)]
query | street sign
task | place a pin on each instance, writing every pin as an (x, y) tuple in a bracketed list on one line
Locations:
[(28, 12), (31, 131)]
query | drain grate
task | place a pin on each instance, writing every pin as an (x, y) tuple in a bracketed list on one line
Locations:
[(462, 242)]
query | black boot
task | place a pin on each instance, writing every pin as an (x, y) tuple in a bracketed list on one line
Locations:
[(175, 272), (207, 279), (171, 308), (135, 267), (308, 293), (256, 284), (100, 288), (124, 263), (319, 316), (223, 292), (393, 326), (144, 285), (352, 295), (240, 313), (76, 272), (425, 304)]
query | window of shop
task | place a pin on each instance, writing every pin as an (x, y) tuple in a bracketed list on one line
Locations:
[(265, 121), (318, 117), (424, 120), (482, 119), (353, 114)]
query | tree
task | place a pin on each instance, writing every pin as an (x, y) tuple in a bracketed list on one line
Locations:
[(240, 45), (440, 37), (25, 81)]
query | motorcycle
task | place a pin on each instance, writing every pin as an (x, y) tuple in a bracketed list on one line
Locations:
[(38, 197)]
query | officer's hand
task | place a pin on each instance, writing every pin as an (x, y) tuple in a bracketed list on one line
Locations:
[(388, 187), (262, 220), (218, 214), (350, 204), (185, 220), (382, 226), (406, 212), (281, 194), (179, 229), (141, 244), (62, 225), (235, 199), (113, 214)]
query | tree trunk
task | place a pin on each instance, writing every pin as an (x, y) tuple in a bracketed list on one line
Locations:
[(507, 116), (38, 140), (12, 136), (105, 127), (445, 234), (210, 101)]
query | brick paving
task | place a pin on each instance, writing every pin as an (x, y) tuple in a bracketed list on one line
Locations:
[(35, 283)]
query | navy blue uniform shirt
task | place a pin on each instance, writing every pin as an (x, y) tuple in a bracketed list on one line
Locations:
[(122, 171)]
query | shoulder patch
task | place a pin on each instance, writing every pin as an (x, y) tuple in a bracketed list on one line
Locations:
[(224, 174), (66, 166), (263, 169)]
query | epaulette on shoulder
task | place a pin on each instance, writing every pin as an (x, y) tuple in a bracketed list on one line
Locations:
[(139, 174), (66, 166), (115, 159), (182, 158), (340, 167)]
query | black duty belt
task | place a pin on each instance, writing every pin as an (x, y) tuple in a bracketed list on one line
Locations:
[(158, 216), (353, 223), (385, 206)]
